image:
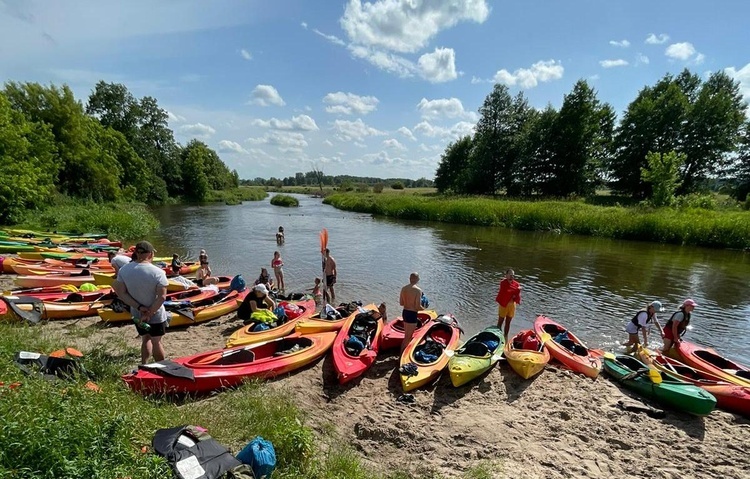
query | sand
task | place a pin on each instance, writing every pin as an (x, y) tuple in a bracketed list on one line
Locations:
[(557, 425)]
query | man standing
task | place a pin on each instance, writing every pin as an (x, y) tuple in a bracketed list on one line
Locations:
[(410, 299), (143, 287), (329, 268), (117, 261)]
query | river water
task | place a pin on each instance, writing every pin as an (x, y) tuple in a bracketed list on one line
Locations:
[(592, 286)]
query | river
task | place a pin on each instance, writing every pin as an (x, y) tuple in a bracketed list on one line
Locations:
[(592, 286)]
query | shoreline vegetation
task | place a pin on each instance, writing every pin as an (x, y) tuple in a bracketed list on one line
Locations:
[(284, 200), (683, 226)]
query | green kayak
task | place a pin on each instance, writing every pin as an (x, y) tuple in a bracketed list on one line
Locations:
[(671, 392), (480, 353)]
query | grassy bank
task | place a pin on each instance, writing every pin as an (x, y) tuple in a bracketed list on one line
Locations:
[(118, 220), (237, 195), (688, 226), (284, 200)]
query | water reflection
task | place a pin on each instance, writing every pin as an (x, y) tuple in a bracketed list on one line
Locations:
[(592, 285)]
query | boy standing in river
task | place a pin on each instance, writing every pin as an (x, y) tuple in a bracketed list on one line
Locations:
[(329, 268), (507, 297)]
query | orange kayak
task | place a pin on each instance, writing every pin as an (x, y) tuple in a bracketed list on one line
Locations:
[(317, 324), (707, 359), (566, 348), (58, 279), (246, 335)]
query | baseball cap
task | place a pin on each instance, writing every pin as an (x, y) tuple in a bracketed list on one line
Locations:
[(145, 247), (657, 306), (689, 302), (261, 288)]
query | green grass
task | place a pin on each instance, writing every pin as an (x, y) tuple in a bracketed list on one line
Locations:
[(118, 220), (284, 200), (237, 195), (63, 430), (685, 226)]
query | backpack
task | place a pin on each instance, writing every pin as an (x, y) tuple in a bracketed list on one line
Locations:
[(424, 301), (193, 453), (237, 284), (260, 455), (354, 345)]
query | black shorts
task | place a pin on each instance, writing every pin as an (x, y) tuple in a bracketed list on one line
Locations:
[(330, 280), (199, 282), (155, 330), (410, 317)]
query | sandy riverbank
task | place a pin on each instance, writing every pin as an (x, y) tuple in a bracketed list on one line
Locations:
[(558, 425)]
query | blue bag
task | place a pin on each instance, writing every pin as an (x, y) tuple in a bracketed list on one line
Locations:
[(425, 358), (260, 455), (355, 345), (424, 301), (280, 312), (238, 284), (261, 327), (491, 344)]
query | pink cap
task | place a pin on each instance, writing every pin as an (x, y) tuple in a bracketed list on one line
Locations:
[(689, 302)]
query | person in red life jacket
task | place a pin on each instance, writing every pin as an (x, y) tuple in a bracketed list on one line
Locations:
[(507, 298), (642, 322), (677, 325)]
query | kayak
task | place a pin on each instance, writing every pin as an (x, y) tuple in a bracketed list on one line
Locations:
[(41, 270), (9, 264), (526, 362), (477, 356), (357, 343), (226, 368), (55, 309), (671, 392), (424, 356), (173, 284), (393, 332), (58, 279), (566, 348), (707, 359), (246, 335), (53, 293), (729, 396), (320, 323)]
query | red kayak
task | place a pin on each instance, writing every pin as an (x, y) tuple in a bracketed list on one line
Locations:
[(568, 349), (707, 359), (393, 332), (729, 396), (357, 344), (225, 368)]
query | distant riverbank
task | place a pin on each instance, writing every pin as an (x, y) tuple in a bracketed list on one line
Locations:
[(683, 226)]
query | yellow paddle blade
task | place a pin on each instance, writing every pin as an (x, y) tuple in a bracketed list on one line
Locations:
[(545, 337), (609, 355), (654, 376)]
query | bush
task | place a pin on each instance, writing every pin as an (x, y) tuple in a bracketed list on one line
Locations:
[(236, 196), (362, 188), (697, 200), (284, 200), (378, 188), (397, 186)]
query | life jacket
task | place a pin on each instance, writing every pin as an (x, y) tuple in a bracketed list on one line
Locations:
[(683, 324), (649, 318)]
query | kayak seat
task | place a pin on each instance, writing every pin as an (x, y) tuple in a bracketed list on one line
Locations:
[(743, 374), (574, 348), (475, 348), (553, 329), (236, 357), (716, 360)]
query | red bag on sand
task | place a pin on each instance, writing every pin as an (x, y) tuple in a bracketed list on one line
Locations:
[(531, 342), (292, 310)]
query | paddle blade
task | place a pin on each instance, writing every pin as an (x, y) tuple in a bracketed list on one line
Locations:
[(654, 376), (545, 337), (609, 355)]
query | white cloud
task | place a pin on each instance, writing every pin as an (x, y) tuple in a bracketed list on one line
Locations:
[(328, 143), (384, 60), (462, 128), (680, 51), (540, 72), (266, 95), (613, 63), (394, 144), (349, 103), (246, 54), (621, 43), (743, 77), (281, 139), (298, 123), (438, 66), (331, 38), (699, 59), (444, 108), (304, 25), (198, 130), (406, 25), (407, 133), (175, 118), (594, 77), (226, 146), (357, 130), (641, 59), (654, 39)]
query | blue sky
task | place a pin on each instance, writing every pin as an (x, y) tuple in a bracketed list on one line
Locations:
[(362, 88)]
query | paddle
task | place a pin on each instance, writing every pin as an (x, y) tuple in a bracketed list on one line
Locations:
[(323, 246), (653, 374)]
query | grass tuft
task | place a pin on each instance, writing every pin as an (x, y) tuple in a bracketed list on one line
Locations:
[(284, 200), (236, 196)]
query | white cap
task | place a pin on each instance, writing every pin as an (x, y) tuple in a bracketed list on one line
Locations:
[(261, 288), (657, 306)]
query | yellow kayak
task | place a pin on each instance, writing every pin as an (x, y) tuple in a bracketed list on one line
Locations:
[(526, 362), (246, 335), (315, 324), (107, 279)]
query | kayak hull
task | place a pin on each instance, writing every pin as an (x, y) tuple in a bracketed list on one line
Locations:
[(428, 372), (710, 361), (582, 360), (526, 363), (393, 332), (346, 365), (244, 335), (473, 360)]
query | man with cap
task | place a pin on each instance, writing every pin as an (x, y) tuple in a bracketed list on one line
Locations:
[(117, 260), (677, 325), (642, 321), (143, 287)]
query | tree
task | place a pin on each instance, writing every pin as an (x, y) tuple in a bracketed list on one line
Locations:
[(115, 107), (194, 180), (663, 174), (741, 167), (536, 168), (450, 174)]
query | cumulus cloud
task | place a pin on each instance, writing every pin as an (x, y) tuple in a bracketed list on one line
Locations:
[(281, 139), (266, 95), (407, 133), (299, 123), (653, 39), (444, 108), (394, 144), (331, 38), (540, 72), (226, 146), (621, 43), (349, 103), (406, 26), (641, 59), (246, 54), (389, 62), (743, 77), (198, 130), (438, 66), (684, 51), (357, 130), (613, 63), (462, 128)]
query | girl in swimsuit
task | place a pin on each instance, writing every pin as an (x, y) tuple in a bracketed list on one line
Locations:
[(277, 264)]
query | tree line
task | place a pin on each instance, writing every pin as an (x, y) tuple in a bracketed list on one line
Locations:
[(115, 148), (674, 138), (317, 177)]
